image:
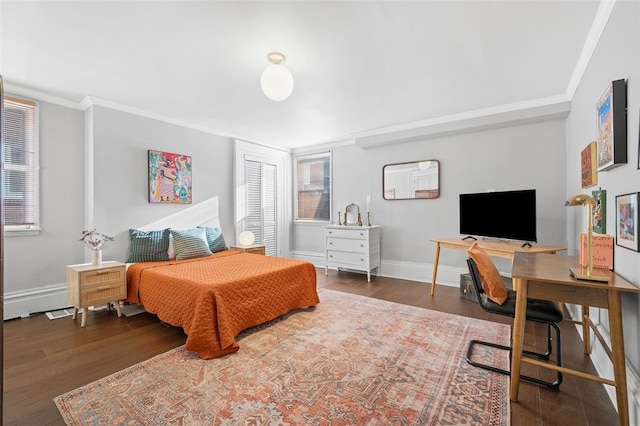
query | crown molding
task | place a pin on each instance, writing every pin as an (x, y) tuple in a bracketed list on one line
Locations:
[(532, 111), (27, 92), (590, 44), (89, 101)]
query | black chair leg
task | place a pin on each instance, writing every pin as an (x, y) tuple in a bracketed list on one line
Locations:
[(554, 385)]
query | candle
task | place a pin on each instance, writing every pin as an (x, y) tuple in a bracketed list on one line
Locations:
[(368, 202), (339, 204)]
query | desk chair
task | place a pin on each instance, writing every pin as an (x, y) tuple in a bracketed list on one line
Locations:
[(542, 311)]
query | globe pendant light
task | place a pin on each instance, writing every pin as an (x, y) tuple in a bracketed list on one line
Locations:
[(276, 81)]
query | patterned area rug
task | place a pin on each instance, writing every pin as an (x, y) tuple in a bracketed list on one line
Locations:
[(351, 360)]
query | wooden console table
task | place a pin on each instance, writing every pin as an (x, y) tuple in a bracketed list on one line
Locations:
[(493, 248), (544, 276)]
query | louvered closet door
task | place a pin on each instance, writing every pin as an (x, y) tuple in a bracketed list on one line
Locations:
[(261, 218)]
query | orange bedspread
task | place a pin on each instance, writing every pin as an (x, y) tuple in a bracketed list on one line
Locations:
[(214, 298)]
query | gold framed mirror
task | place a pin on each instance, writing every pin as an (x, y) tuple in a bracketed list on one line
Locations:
[(352, 215), (411, 180)]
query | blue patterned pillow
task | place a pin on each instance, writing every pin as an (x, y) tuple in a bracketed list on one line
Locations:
[(148, 246), (190, 243), (215, 239)]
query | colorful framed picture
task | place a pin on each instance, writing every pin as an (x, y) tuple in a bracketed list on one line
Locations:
[(627, 221), (600, 211), (588, 170), (611, 111), (169, 177)]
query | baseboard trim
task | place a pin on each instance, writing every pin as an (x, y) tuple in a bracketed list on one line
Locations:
[(21, 304), (412, 271)]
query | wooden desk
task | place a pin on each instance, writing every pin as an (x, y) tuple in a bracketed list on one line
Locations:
[(545, 276), (493, 248)]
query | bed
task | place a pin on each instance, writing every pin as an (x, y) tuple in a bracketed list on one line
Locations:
[(214, 293), (214, 298)]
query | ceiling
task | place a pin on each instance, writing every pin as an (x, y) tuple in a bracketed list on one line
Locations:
[(359, 67)]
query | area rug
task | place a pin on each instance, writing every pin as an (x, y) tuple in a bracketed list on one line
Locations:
[(351, 360)]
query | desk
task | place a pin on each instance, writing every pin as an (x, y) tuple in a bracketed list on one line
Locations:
[(545, 276), (493, 248)]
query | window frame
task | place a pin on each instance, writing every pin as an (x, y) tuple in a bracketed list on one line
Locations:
[(306, 157), (35, 228)]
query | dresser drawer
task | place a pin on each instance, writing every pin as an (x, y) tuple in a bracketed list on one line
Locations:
[(345, 258), (346, 233), (344, 244)]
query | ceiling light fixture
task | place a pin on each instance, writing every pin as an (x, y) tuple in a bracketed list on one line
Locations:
[(276, 81)]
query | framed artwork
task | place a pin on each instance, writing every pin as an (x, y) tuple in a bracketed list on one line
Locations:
[(612, 126), (589, 173), (600, 211), (169, 177), (627, 221)]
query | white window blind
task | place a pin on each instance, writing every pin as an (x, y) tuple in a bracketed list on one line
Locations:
[(261, 215), (20, 168)]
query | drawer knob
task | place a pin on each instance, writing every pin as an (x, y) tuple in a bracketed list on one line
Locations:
[(103, 288), (330, 243)]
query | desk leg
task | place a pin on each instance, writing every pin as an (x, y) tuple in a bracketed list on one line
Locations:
[(617, 350), (586, 330), (435, 269), (518, 335)]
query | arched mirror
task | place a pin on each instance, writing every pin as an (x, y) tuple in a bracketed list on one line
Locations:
[(352, 215), (411, 181)]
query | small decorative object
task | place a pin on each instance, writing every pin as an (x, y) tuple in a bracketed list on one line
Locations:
[(600, 211), (95, 241), (612, 126), (627, 221), (352, 215), (246, 238), (601, 251), (589, 176), (587, 273), (169, 178), (368, 210)]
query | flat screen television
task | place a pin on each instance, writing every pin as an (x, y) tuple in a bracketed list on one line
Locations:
[(509, 215)]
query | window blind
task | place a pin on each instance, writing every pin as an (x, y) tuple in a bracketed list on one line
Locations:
[(261, 215), (19, 154)]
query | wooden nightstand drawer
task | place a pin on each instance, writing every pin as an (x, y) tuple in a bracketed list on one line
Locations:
[(102, 276), (255, 249), (102, 294)]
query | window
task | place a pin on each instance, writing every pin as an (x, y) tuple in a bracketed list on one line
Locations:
[(19, 181), (313, 187)]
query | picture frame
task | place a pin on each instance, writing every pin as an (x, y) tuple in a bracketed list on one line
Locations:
[(611, 111), (627, 221), (169, 177), (599, 219), (588, 167)]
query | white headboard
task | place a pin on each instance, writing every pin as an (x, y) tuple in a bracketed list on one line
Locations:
[(201, 214)]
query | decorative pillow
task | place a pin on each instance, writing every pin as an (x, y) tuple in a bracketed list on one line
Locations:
[(215, 239), (148, 246), (190, 243), (491, 280)]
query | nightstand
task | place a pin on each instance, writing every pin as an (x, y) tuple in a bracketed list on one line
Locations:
[(255, 249), (89, 285)]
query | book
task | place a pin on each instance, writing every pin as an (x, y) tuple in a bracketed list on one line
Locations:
[(601, 251)]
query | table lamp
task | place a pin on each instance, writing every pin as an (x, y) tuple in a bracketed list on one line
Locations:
[(581, 273), (246, 238)]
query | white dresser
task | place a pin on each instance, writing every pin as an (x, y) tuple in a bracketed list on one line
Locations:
[(352, 247)]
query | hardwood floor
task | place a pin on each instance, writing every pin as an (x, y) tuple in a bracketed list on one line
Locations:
[(45, 358)]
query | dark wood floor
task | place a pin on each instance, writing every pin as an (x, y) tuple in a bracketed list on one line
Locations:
[(45, 358)]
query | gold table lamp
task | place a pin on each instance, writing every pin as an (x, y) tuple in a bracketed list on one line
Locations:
[(588, 273)]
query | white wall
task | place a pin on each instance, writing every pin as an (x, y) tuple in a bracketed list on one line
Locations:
[(35, 265), (616, 57), (520, 157)]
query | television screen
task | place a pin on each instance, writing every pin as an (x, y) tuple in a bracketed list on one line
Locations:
[(509, 215)]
